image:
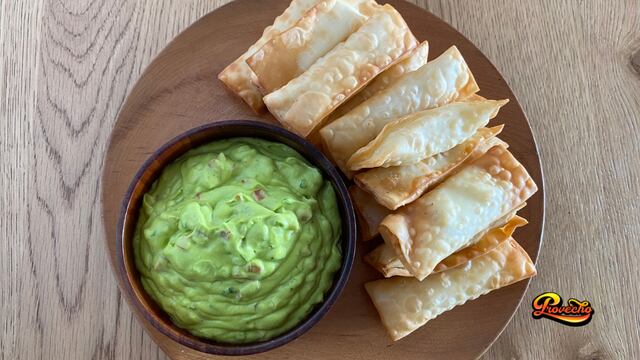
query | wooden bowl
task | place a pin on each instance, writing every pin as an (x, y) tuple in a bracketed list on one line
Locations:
[(149, 172)]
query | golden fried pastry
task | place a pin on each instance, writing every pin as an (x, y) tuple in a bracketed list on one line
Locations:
[(447, 218), (439, 82), (370, 213), (406, 304), (293, 51), (396, 186), (415, 60), (420, 135), (238, 77), (384, 259), (305, 101)]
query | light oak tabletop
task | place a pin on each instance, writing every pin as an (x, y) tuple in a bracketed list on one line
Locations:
[(67, 66)]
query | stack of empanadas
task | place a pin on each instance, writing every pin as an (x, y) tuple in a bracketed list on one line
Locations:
[(430, 177), (443, 244)]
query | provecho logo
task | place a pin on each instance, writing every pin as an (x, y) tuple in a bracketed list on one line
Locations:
[(549, 305)]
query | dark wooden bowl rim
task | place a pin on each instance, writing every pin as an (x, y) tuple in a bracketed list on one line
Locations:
[(159, 319)]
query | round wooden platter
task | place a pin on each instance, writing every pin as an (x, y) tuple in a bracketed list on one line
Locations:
[(179, 90)]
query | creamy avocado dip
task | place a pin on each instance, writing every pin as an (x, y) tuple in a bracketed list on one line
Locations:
[(238, 239)]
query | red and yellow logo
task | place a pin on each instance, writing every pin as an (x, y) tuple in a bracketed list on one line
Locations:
[(549, 305)]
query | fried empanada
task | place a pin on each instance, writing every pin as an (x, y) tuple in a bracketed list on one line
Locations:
[(238, 77), (489, 241), (406, 304), (445, 219), (413, 62), (420, 135), (370, 213), (293, 51), (384, 258), (496, 224), (302, 104), (396, 186), (440, 81)]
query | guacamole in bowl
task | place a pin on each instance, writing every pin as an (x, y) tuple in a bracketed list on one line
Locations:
[(238, 240)]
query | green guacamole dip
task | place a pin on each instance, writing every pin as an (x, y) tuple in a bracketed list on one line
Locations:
[(238, 239)]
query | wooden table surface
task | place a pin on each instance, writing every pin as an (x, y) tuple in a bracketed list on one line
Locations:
[(66, 67)]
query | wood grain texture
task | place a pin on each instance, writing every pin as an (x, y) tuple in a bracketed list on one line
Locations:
[(66, 67), (178, 91)]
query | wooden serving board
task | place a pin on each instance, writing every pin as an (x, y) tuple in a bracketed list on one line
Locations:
[(179, 90)]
